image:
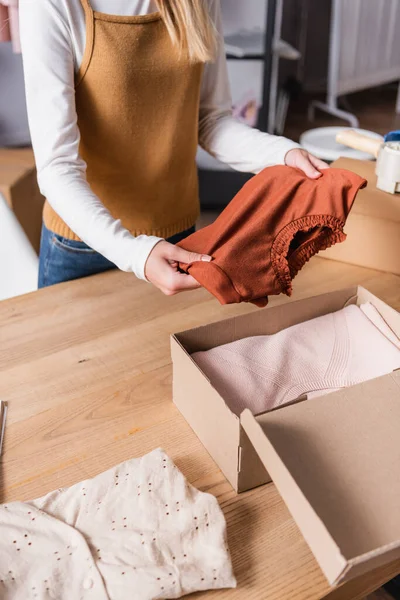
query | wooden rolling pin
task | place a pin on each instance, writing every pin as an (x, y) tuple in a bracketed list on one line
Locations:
[(359, 141)]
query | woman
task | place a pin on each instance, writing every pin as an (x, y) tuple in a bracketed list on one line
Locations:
[(119, 94)]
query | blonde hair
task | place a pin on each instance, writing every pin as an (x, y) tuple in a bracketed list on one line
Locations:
[(190, 27)]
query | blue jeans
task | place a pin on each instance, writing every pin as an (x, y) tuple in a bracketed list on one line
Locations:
[(62, 259)]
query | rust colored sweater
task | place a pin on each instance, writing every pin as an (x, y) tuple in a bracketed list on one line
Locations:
[(271, 228)]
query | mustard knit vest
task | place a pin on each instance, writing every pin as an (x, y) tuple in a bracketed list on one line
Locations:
[(137, 101)]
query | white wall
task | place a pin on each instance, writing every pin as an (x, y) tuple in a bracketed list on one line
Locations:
[(243, 14), (13, 118)]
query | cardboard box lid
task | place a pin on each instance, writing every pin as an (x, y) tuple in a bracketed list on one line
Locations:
[(336, 462), (371, 201)]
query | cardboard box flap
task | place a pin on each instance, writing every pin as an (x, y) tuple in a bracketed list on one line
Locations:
[(264, 322), (335, 461), (371, 201)]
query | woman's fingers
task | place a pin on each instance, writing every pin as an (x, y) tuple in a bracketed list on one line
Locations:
[(307, 166), (177, 254), (162, 268), (306, 162), (318, 163), (180, 282)]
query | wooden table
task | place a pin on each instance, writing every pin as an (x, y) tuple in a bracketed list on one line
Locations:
[(85, 367)]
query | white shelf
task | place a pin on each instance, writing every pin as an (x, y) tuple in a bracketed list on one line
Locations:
[(248, 42), (245, 43)]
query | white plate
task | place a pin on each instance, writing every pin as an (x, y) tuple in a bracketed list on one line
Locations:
[(322, 143)]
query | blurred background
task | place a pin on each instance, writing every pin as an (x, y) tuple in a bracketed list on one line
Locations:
[(301, 65)]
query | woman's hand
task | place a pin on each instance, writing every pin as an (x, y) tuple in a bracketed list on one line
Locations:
[(309, 164), (162, 268)]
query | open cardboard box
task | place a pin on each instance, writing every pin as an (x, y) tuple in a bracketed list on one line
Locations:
[(334, 459), (373, 225)]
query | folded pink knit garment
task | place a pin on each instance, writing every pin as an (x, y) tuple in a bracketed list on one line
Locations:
[(373, 315), (315, 357)]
